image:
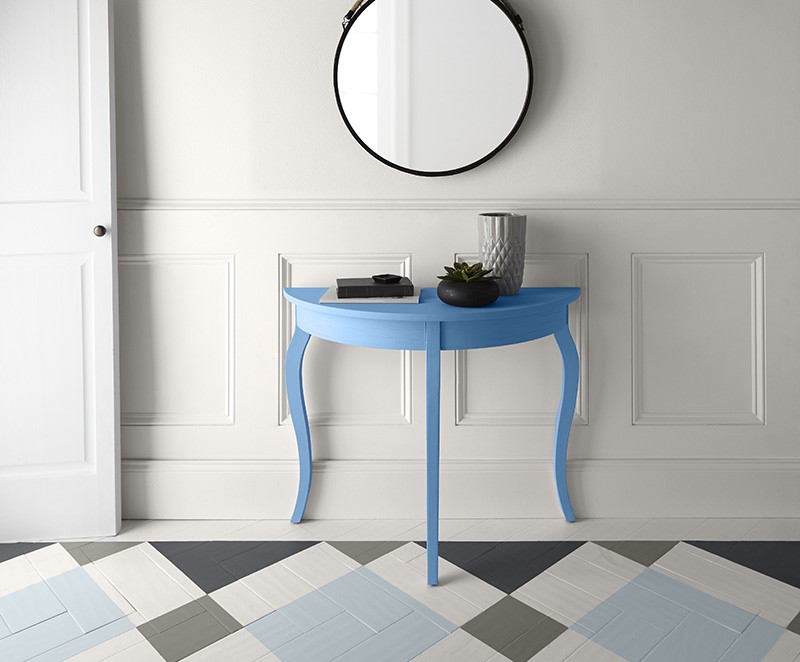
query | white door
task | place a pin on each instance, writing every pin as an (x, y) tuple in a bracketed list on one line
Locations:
[(59, 441)]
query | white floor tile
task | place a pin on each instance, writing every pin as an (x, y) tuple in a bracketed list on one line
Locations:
[(109, 589), (493, 529), (561, 648), (443, 601), (211, 529), (174, 573), (140, 530), (569, 602), (266, 529), (241, 603), (786, 649), (461, 582), (16, 574), (774, 529), (277, 585), (754, 593), (550, 529), (107, 649), (336, 555), (51, 561), (586, 576), (241, 646), (150, 590), (142, 652), (386, 529), (609, 561), (447, 529), (318, 566), (723, 529), (408, 551), (608, 529), (333, 529), (766, 580), (459, 646), (666, 529)]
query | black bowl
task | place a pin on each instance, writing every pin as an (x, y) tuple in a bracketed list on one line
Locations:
[(468, 295)]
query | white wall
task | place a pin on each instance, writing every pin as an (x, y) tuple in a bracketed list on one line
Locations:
[(660, 170)]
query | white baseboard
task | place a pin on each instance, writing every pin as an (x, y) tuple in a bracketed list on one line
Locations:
[(345, 489)]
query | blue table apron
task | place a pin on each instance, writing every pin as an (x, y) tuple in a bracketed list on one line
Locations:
[(433, 326)]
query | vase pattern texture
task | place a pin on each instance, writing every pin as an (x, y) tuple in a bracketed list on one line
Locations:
[(502, 248)]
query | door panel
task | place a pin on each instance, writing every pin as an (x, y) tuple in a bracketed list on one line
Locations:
[(58, 416)]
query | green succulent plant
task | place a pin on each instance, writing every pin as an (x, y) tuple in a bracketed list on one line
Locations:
[(461, 272)]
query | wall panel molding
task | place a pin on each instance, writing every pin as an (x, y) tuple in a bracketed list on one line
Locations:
[(269, 204), (579, 315), (755, 413), (224, 415), (400, 264)]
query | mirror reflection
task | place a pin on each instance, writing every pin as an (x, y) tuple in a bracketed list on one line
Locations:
[(433, 87)]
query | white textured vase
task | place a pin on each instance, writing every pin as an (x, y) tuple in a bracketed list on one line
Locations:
[(502, 248)]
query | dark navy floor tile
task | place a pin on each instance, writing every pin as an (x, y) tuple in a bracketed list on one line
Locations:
[(506, 565), (197, 565), (11, 550), (263, 555), (777, 559)]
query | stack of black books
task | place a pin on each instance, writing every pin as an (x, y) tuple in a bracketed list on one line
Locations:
[(382, 285)]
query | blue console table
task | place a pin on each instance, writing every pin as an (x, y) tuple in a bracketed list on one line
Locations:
[(433, 326)]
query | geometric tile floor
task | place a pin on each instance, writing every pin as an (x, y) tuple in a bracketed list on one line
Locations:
[(366, 601)]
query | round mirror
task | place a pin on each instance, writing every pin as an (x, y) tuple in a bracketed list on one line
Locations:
[(433, 87)]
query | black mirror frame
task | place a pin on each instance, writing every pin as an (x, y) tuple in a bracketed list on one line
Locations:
[(515, 21)]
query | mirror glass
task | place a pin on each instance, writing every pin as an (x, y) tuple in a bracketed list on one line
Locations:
[(433, 87)]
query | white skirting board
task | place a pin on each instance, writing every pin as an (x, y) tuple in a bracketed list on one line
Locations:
[(161, 489)]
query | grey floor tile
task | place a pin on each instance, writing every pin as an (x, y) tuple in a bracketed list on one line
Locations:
[(541, 635), (794, 626), (366, 552), (645, 552), (228, 621), (173, 618), (503, 622), (188, 637), (77, 554)]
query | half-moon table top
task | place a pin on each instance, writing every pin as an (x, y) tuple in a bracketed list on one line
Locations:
[(530, 300)]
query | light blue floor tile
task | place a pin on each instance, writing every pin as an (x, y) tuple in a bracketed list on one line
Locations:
[(648, 606), (29, 606), (274, 630), (367, 602), (406, 599), (596, 619), (4, 629), (629, 637), (310, 611), (400, 642), (326, 642), (695, 600), (39, 639), (84, 599), (755, 642), (85, 642), (697, 639)]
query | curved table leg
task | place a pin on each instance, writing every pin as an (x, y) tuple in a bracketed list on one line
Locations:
[(566, 410), (297, 407), (433, 343)]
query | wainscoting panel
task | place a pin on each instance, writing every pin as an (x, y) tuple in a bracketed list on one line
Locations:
[(707, 309), (379, 381), (177, 339), (482, 399)]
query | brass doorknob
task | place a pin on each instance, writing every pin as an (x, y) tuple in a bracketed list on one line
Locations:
[(99, 230)]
